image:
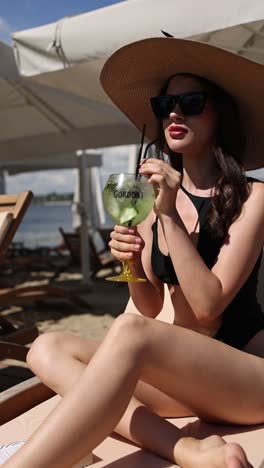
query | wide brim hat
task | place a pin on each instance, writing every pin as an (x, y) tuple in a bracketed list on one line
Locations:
[(138, 71)]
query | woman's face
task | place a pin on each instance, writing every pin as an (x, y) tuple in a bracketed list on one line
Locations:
[(184, 133)]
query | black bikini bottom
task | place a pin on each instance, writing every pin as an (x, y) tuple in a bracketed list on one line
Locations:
[(238, 333)]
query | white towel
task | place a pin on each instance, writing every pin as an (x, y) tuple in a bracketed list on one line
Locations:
[(6, 451)]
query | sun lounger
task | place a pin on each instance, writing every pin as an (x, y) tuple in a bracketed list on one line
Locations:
[(117, 452), (13, 339), (99, 259), (24, 407), (12, 210), (21, 397), (29, 294)]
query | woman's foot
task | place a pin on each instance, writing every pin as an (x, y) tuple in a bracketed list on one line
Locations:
[(212, 452)]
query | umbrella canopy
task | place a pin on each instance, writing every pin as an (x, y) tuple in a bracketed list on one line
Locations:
[(87, 40), (37, 120), (67, 57), (65, 161), (38, 123)]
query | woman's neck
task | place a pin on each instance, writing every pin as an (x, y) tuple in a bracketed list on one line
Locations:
[(200, 172)]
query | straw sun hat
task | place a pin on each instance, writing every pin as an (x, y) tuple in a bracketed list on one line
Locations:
[(138, 71)]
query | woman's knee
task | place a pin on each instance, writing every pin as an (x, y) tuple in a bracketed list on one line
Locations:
[(129, 332), (44, 349)]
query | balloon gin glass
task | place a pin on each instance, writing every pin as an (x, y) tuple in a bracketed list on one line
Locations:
[(128, 199)]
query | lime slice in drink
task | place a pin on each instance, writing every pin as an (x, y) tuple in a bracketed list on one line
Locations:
[(112, 208), (127, 214)]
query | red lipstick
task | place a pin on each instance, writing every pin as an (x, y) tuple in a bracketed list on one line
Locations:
[(177, 131)]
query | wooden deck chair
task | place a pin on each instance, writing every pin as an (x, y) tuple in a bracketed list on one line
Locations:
[(24, 407), (99, 259), (13, 340), (28, 294), (12, 210)]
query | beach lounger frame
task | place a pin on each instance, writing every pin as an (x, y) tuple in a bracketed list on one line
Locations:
[(12, 210), (12, 339), (99, 259)]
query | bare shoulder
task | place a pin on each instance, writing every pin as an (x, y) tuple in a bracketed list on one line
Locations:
[(243, 245), (257, 192), (253, 209)]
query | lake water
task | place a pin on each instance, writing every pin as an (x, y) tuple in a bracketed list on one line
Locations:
[(40, 225)]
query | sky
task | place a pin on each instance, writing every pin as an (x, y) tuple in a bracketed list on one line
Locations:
[(17, 15)]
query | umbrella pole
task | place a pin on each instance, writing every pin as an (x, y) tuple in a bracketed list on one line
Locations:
[(85, 245), (2, 181)]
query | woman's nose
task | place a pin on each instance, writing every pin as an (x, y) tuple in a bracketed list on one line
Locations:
[(176, 112)]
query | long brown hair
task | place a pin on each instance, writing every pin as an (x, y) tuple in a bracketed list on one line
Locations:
[(232, 189)]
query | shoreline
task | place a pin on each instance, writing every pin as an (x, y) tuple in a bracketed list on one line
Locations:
[(54, 203)]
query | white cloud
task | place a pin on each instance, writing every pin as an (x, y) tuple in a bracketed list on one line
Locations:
[(5, 30)]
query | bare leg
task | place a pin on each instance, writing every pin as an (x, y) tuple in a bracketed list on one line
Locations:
[(136, 347), (56, 355), (59, 359)]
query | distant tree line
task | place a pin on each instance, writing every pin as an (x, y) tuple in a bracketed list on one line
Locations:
[(53, 197)]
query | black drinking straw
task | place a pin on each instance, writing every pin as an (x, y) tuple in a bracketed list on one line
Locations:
[(147, 148), (140, 150)]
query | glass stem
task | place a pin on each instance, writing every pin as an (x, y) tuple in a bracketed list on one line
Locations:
[(126, 268)]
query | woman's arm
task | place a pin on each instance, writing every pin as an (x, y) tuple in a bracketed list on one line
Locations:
[(210, 291), (146, 298)]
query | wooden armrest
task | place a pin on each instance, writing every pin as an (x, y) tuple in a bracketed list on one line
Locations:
[(22, 397)]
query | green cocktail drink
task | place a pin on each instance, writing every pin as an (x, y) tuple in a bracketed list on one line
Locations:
[(128, 200)]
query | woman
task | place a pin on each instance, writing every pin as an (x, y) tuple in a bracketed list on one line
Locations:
[(204, 240)]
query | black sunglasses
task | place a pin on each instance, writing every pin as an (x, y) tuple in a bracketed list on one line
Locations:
[(190, 103)]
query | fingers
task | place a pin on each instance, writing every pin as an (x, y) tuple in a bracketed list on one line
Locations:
[(124, 230), (161, 173), (125, 243), (150, 166), (155, 165), (234, 462)]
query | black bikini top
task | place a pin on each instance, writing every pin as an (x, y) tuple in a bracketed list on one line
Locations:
[(207, 247)]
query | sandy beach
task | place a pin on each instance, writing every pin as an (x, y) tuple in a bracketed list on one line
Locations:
[(106, 300)]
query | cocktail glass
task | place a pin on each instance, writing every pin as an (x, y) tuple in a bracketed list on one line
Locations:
[(128, 200)]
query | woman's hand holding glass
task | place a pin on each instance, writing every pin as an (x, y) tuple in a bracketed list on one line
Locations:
[(126, 244), (166, 182)]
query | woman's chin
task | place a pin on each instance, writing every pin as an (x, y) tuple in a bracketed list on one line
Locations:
[(179, 146)]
